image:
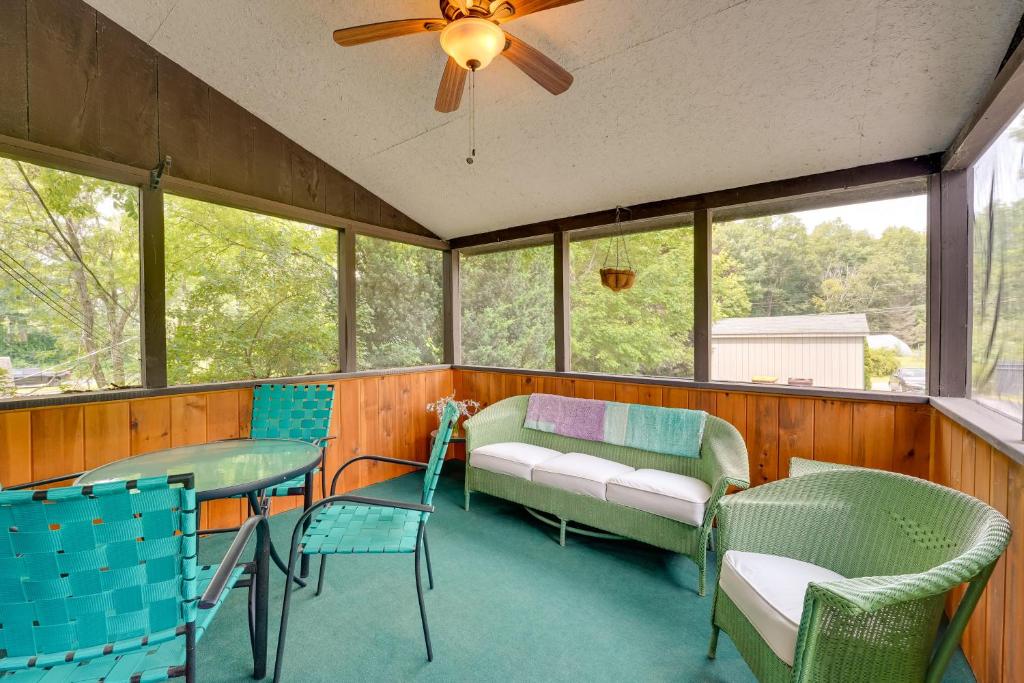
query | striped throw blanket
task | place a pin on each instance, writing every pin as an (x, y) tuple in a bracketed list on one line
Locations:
[(673, 431)]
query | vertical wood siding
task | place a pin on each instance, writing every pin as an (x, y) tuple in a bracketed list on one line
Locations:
[(775, 428), (968, 463), (75, 80), (383, 414)]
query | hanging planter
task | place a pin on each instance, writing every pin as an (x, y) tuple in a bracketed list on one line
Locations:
[(619, 275)]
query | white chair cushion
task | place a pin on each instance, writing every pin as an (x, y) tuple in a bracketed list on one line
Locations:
[(770, 590), (511, 458), (579, 473), (661, 493)]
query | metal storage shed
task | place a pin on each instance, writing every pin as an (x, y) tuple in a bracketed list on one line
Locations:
[(826, 349)]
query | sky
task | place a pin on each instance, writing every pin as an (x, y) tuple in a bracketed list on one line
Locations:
[(874, 217)]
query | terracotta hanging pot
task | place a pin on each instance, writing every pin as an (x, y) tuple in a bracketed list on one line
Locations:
[(618, 279), (618, 276)]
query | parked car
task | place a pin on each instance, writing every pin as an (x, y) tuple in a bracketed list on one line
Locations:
[(908, 380)]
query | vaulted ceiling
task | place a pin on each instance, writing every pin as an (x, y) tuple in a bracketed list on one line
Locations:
[(671, 97)]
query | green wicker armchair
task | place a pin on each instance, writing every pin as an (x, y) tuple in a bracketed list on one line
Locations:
[(723, 463), (900, 545)]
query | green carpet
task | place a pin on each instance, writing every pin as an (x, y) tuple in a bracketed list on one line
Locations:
[(509, 604)]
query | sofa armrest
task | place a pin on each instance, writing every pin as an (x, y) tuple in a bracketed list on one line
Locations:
[(501, 421), (727, 468)]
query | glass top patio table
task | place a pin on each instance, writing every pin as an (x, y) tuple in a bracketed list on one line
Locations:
[(222, 468)]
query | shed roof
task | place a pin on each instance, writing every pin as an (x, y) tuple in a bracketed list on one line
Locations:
[(838, 325)]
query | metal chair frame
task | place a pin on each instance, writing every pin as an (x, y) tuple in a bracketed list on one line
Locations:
[(302, 525)]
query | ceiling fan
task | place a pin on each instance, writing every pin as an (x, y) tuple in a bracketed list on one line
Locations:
[(472, 36)]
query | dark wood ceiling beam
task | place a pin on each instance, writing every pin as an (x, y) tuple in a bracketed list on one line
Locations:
[(1000, 105), (870, 174)]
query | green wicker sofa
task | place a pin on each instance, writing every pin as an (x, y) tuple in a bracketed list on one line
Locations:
[(841, 573), (722, 463)]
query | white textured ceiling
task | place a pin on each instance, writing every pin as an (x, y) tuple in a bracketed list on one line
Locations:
[(671, 97)]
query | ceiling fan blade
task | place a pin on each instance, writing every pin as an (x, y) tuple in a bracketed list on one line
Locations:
[(453, 82), (523, 7), (368, 33), (537, 66)]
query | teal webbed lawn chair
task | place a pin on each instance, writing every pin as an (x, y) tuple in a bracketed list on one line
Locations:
[(294, 411), (358, 525), (101, 582)]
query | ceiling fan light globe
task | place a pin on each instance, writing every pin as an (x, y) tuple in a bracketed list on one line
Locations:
[(472, 39)]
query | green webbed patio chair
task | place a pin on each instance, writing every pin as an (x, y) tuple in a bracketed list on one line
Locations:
[(101, 582), (886, 550), (359, 525), (294, 411)]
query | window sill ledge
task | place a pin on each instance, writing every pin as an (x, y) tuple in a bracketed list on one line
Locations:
[(1001, 432), (731, 387), (108, 395)]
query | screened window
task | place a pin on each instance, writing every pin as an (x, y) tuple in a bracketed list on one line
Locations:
[(998, 334), (646, 329), (398, 304), (248, 296), (508, 309), (831, 297), (69, 282)]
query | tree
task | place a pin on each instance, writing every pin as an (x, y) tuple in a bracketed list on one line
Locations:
[(772, 254), (69, 251), (508, 308), (398, 298), (248, 295), (7, 387)]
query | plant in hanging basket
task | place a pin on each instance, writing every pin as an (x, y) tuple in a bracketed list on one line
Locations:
[(618, 279)]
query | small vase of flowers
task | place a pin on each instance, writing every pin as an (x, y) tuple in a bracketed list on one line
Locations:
[(466, 408)]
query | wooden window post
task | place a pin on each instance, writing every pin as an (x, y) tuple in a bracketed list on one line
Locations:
[(563, 309), (702, 295), (950, 255), (452, 294), (347, 300), (152, 308)]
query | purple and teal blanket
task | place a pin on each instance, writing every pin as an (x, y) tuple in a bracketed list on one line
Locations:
[(673, 431)]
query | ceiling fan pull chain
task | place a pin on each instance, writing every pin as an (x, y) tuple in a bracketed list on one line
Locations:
[(472, 117)]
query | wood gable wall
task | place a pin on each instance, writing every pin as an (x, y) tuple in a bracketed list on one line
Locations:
[(75, 80)]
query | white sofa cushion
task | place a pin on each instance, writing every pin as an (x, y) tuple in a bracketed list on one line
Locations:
[(579, 473), (770, 590), (512, 458), (665, 494)]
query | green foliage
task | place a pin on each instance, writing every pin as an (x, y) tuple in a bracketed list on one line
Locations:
[(831, 269), (251, 296), (508, 309), (248, 296), (879, 363), (998, 271), (69, 262), (7, 388), (644, 330), (398, 304)]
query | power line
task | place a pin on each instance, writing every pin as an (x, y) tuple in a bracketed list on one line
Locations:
[(40, 289), (69, 316)]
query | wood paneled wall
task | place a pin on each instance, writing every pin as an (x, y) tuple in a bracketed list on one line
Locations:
[(775, 428), (75, 80), (382, 414), (966, 462)]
